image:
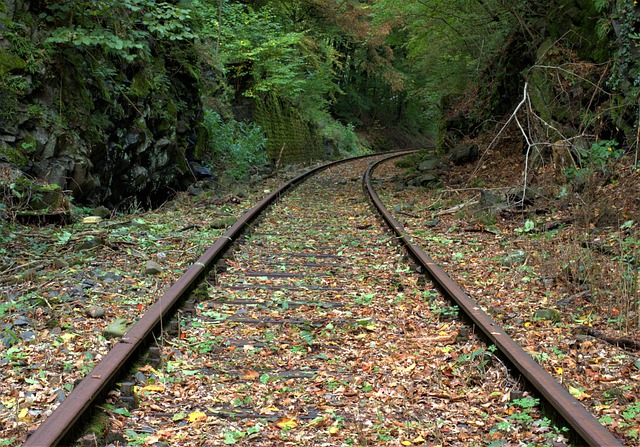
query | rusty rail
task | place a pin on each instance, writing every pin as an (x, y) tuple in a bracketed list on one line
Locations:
[(62, 423), (582, 422)]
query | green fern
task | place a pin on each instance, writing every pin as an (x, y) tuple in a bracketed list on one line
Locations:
[(601, 5), (603, 26)]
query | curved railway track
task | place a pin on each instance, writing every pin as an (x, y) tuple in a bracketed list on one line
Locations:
[(315, 329)]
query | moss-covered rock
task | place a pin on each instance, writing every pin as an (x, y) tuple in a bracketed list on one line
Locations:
[(10, 62), (140, 85), (13, 155)]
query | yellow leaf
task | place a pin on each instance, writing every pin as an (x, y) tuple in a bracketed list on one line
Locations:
[(406, 443), (154, 388), (559, 370), (315, 421), (418, 440), (148, 368), (197, 416), (68, 336), (333, 430), (287, 423), (23, 413), (269, 410), (577, 393), (409, 368)]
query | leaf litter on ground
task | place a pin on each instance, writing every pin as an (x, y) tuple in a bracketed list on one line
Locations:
[(61, 286), (375, 359), (532, 296)]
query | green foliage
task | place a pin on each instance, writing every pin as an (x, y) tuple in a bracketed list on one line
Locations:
[(9, 62), (122, 28), (235, 145), (342, 139), (106, 39), (528, 227), (600, 154), (601, 5), (22, 56), (447, 44), (253, 43)]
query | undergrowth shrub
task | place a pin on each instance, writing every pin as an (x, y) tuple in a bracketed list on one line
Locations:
[(597, 158), (235, 146), (341, 140), (20, 195)]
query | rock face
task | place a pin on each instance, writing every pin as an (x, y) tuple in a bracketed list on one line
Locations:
[(105, 128)]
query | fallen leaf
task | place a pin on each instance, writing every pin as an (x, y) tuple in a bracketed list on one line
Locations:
[(287, 423), (179, 416), (577, 393), (151, 440), (197, 416), (68, 336), (250, 375), (154, 388)]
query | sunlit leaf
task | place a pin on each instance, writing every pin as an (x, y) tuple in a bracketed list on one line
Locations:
[(197, 416), (154, 388), (578, 393), (287, 423)]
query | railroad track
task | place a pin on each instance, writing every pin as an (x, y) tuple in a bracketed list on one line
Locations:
[(308, 325)]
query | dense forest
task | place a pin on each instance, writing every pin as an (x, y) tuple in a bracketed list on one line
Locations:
[(123, 101)]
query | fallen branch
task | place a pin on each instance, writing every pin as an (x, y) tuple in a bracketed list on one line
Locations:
[(586, 294), (472, 229), (19, 267), (626, 343), (549, 226), (448, 338), (455, 209), (408, 214), (279, 157), (189, 227)]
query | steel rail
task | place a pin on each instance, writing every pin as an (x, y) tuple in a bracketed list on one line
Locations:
[(67, 416), (584, 424)]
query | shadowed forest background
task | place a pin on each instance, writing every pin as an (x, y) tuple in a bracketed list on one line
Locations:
[(123, 102)]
